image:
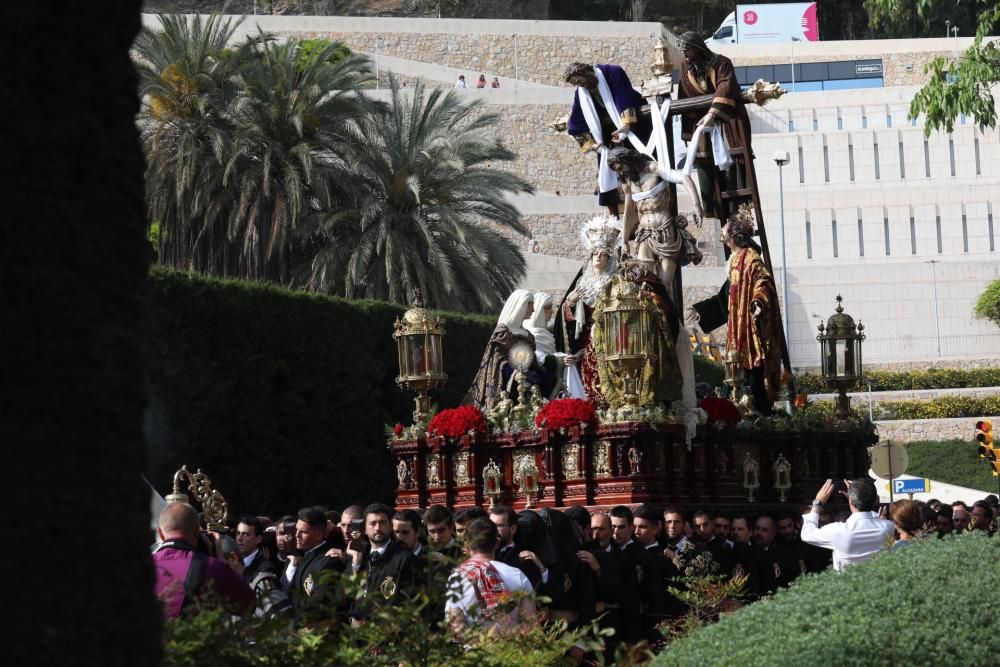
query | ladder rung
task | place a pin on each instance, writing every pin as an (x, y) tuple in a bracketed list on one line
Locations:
[(736, 194)]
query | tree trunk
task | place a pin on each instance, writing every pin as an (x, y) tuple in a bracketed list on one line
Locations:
[(73, 269)]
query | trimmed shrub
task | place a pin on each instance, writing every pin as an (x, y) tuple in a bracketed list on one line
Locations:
[(933, 378), (887, 612), (952, 462), (712, 372), (281, 396), (944, 407)]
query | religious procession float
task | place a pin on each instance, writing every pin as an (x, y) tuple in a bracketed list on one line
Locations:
[(594, 401)]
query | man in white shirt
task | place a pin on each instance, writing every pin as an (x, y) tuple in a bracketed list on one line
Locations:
[(484, 592), (861, 536)]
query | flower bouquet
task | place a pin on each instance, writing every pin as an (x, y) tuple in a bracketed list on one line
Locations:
[(563, 413), (720, 410), (456, 422)]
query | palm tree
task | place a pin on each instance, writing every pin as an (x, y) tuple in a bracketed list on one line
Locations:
[(291, 121), (242, 144), (427, 196), (186, 79)]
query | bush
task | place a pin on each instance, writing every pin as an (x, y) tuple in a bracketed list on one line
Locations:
[(945, 407), (933, 378), (888, 612), (952, 462), (712, 372), (988, 304), (280, 396)]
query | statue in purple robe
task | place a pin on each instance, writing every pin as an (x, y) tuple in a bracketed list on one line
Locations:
[(605, 109)]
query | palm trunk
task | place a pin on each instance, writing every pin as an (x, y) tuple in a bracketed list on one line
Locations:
[(73, 268)]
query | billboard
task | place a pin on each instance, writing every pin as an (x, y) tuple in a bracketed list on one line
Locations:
[(763, 24)]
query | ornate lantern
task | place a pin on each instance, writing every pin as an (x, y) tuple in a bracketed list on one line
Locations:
[(751, 476), (782, 476), (491, 482), (736, 375), (840, 354), (626, 325), (214, 506), (661, 81), (527, 475), (419, 348)]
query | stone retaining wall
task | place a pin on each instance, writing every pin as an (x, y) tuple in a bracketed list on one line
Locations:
[(538, 58), (911, 430)]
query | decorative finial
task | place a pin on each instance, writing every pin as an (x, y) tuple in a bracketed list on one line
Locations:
[(416, 300), (840, 304)]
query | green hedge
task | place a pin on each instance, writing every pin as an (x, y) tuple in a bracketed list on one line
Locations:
[(281, 396), (934, 378), (944, 407), (932, 603), (952, 462)]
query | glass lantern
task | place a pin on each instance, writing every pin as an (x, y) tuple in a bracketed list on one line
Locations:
[(626, 324), (420, 355), (840, 354)]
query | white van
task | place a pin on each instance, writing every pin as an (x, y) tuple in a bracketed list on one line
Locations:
[(768, 23), (726, 33)]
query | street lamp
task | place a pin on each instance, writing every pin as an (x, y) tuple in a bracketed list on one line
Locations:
[(937, 320), (840, 354), (781, 159)]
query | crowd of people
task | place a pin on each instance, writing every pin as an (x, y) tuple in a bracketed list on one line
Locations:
[(461, 83), (490, 567)]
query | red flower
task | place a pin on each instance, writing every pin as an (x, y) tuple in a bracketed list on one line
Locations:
[(565, 412), (720, 409), (456, 422), (398, 429)]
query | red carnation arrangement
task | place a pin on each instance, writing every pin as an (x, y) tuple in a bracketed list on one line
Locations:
[(456, 422), (720, 409), (565, 412)]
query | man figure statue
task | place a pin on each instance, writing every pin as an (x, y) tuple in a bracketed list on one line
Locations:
[(605, 111), (661, 242), (748, 303), (706, 73)]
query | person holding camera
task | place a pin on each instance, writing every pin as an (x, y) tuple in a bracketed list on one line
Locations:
[(861, 536)]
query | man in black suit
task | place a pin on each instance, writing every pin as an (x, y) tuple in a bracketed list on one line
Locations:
[(249, 535), (309, 576), (639, 621), (780, 559), (717, 545), (389, 567), (509, 553), (441, 533)]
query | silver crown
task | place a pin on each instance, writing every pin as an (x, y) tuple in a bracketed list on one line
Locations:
[(602, 232)]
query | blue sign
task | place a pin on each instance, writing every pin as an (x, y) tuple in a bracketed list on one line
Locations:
[(911, 485)]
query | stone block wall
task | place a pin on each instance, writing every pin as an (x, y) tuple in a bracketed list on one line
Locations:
[(537, 58)]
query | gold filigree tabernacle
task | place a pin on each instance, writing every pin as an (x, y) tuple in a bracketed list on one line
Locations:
[(751, 476), (571, 457), (433, 469), (214, 507), (782, 476), (460, 465)]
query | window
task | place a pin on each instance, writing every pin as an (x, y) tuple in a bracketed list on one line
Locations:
[(937, 225), (888, 120), (861, 238), (809, 238), (850, 160), (802, 168), (826, 163), (913, 236), (724, 32), (965, 234), (878, 173), (833, 228), (927, 159), (979, 170), (902, 161), (885, 231), (989, 223), (951, 154)]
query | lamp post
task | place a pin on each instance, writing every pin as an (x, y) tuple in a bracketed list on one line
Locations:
[(937, 320), (840, 354), (781, 159), (421, 360)]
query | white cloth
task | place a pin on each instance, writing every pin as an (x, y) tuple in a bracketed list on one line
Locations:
[(855, 541), (515, 310), (461, 83), (720, 149), (573, 383), (537, 324), (462, 594)]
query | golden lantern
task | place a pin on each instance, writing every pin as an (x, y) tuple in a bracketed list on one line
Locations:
[(492, 479), (626, 329), (736, 374), (840, 354), (751, 476), (420, 353)]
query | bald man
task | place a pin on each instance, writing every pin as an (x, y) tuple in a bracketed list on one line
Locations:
[(184, 574)]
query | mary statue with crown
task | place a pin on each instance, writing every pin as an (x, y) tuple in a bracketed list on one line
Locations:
[(601, 237)]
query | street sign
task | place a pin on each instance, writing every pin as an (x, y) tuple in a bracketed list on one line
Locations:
[(911, 485), (889, 460)]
